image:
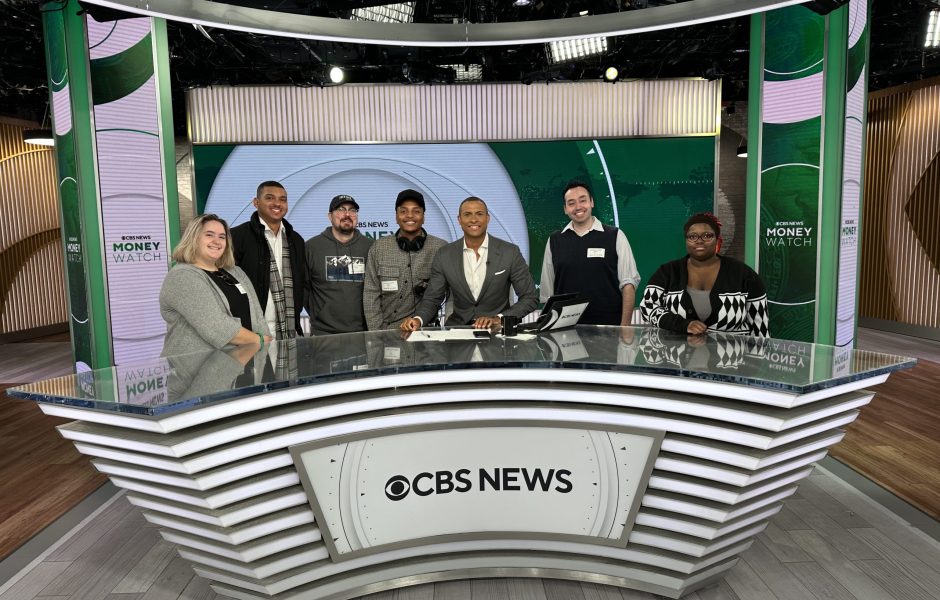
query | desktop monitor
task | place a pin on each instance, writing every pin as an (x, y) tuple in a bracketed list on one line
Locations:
[(562, 310)]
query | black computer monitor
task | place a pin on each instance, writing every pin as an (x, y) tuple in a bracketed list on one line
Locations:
[(562, 310)]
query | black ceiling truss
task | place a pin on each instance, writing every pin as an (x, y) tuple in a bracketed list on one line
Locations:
[(210, 56)]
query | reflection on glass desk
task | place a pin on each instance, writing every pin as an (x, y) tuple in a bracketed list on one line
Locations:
[(177, 383)]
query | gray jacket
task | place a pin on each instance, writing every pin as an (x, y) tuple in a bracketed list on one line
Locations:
[(505, 268), (388, 296), (197, 314)]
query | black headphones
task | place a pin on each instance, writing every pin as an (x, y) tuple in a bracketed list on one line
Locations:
[(414, 245)]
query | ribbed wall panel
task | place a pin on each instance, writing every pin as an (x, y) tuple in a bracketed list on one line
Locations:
[(32, 293), (900, 271), (453, 113)]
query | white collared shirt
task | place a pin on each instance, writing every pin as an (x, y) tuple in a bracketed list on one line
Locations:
[(474, 268), (276, 244)]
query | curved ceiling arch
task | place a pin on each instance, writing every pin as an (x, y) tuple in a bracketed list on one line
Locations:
[(228, 16)]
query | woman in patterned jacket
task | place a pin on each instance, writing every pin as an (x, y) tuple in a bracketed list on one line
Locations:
[(704, 291)]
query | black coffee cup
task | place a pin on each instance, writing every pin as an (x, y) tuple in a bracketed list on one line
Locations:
[(510, 325)]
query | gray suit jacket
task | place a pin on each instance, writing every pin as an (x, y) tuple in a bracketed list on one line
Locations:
[(505, 267)]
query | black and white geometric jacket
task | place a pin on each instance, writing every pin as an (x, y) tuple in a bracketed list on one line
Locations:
[(738, 299)]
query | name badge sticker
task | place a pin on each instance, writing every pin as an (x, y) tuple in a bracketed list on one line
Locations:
[(389, 286), (357, 268), (596, 252), (240, 288)]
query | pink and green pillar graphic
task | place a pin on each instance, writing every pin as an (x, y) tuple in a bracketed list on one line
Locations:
[(805, 159), (112, 119)]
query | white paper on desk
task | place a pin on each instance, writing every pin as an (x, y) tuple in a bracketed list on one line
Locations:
[(443, 335)]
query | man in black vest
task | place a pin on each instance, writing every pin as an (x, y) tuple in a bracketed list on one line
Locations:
[(592, 259), (272, 254)]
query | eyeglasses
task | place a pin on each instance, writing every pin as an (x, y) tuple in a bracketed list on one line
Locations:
[(705, 237), (346, 209)]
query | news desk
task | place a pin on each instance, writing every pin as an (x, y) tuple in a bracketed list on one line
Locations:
[(344, 465)]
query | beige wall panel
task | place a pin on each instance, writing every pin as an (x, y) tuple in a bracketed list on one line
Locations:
[(447, 113)]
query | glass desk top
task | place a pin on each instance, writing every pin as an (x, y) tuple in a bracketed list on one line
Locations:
[(176, 383)]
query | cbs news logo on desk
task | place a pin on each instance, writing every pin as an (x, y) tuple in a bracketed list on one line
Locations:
[(509, 479)]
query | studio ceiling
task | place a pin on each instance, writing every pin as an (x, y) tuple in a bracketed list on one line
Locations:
[(207, 56)]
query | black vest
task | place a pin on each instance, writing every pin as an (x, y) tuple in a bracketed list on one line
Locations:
[(595, 278)]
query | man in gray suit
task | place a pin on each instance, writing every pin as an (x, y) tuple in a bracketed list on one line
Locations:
[(477, 272)]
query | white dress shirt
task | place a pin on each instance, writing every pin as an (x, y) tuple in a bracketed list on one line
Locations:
[(474, 268)]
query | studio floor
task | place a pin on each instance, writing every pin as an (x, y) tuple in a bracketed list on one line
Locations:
[(65, 536)]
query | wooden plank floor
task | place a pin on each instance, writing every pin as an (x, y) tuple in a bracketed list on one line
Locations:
[(42, 476), (895, 441), (829, 542)]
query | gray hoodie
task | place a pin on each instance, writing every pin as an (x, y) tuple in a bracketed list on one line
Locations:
[(336, 271)]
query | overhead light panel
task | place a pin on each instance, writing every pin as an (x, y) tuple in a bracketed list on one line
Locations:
[(933, 30), (467, 72), (400, 12), (40, 137), (568, 50)]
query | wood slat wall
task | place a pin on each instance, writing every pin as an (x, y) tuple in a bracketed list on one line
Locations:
[(32, 278), (900, 278)]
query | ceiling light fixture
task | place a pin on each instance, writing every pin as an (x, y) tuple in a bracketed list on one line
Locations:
[(400, 12), (521, 3), (471, 72), (40, 137), (568, 50), (611, 74), (933, 29), (337, 75), (742, 149)]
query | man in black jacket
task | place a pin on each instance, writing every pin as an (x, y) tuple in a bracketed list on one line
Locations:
[(272, 255)]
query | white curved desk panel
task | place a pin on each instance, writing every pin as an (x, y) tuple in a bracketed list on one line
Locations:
[(648, 462)]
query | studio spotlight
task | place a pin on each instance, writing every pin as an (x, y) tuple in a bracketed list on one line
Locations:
[(336, 75), (611, 74)]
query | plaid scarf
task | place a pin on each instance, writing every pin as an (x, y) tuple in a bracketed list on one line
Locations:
[(282, 293)]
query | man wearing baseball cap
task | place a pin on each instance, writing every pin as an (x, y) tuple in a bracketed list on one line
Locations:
[(336, 262), (398, 267)]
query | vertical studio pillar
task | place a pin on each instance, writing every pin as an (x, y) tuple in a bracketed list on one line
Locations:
[(112, 118), (806, 150)]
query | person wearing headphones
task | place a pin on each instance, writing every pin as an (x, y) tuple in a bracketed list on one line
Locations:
[(398, 267)]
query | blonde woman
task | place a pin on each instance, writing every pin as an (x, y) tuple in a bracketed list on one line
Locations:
[(206, 301)]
